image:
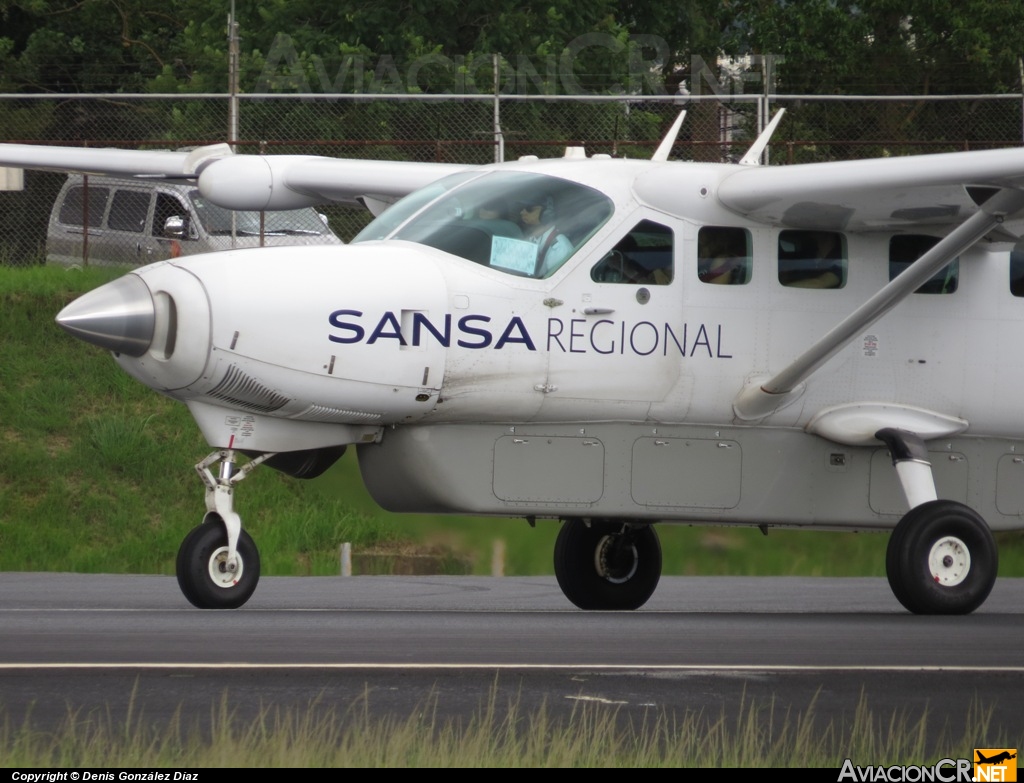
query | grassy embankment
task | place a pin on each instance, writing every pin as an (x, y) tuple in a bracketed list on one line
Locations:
[(96, 476)]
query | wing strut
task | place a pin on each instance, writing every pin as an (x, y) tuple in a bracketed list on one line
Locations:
[(762, 397)]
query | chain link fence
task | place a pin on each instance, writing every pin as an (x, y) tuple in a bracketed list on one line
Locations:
[(155, 221)]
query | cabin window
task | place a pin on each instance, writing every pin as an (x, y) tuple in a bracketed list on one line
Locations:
[(1017, 269), (905, 249), (812, 259), (723, 255), (642, 257), (73, 210)]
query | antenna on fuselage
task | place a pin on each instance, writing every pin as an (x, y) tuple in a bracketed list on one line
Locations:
[(753, 156), (670, 138)]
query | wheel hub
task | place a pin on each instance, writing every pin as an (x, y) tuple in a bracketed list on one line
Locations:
[(616, 559), (223, 572), (949, 561)]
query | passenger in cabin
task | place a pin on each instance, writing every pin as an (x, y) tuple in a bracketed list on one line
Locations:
[(537, 220), (811, 259), (714, 264), (722, 256)]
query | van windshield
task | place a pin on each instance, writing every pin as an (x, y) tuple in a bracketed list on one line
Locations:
[(293, 222)]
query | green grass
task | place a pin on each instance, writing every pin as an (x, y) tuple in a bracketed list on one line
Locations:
[(498, 735), (96, 475)]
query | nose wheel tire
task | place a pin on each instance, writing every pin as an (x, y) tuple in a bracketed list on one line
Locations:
[(205, 575), (941, 559), (606, 565)]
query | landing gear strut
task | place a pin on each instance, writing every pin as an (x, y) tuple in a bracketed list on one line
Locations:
[(218, 565), (606, 564), (941, 558)]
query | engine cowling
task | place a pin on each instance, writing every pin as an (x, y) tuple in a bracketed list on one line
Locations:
[(254, 182)]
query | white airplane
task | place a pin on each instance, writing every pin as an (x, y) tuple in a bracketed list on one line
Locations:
[(857, 370)]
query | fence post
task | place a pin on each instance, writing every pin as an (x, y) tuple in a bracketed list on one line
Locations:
[(498, 557), (499, 138), (346, 559), (233, 65)]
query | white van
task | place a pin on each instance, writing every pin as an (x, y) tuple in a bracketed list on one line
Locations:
[(105, 221)]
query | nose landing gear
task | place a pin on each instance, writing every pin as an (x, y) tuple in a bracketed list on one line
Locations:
[(218, 565)]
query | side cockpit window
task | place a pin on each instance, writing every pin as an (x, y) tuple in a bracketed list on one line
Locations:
[(642, 257), (724, 255), (905, 249), (812, 259)]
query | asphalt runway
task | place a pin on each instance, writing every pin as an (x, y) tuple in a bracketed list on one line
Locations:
[(130, 649)]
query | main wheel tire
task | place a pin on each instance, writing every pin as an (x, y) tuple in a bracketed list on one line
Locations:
[(941, 559), (602, 566), (202, 572)]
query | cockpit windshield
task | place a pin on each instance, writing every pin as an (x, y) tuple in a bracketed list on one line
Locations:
[(516, 222)]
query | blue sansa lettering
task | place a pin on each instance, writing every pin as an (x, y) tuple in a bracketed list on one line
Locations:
[(357, 331), (483, 334), (574, 336), (506, 337), (420, 321), (396, 330)]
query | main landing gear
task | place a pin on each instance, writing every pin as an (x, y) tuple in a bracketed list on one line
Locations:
[(218, 565), (607, 564), (941, 558)]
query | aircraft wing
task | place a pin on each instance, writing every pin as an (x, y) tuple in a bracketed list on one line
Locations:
[(245, 181), (113, 162), (880, 193)]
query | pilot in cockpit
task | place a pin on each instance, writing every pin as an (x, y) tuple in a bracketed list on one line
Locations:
[(537, 220)]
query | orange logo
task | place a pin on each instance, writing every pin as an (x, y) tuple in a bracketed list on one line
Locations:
[(995, 764)]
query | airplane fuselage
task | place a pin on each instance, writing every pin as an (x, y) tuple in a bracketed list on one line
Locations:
[(571, 395), (609, 343)]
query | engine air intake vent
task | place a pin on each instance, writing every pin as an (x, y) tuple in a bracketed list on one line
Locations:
[(242, 391), (326, 413)]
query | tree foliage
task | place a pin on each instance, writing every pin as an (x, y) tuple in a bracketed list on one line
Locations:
[(831, 46)]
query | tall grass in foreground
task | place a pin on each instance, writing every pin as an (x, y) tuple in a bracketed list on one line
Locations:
[(499, 735)]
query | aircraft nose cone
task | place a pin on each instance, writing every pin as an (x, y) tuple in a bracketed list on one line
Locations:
[(118, 316)]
